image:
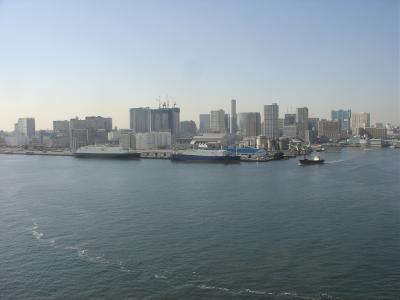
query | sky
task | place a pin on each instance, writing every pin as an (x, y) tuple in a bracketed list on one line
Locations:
[(62, 59)]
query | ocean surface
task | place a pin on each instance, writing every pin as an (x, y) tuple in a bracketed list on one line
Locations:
[(155, 229)]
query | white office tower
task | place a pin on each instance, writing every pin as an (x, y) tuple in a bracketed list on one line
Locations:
[(234, 122), (26, 127), (359, 121), (140, 119), (271, 121), (217, 121)]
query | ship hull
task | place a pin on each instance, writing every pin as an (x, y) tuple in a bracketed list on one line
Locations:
[(311, 162), (108, 155), (200, 158)]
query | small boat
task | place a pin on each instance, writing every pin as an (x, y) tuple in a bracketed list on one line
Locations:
[(315, 161)]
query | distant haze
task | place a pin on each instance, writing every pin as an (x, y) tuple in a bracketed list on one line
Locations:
[(61, 59)]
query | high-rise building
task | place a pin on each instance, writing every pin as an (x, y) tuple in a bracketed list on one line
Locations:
[(100, 123), (61, 127), (162, 119), (281, 124), (289, 131), (227, 123), (250, 124), (188, 129), (101, 127), (140, 119), (80, 134), (359, 121), (344, 118), (166, 119), (204, 123), (329, 130), (26, 127), (92, 130), (313, 128), (271, 121), (290, 119), (217, 121), (61, 133), (302, 123), (234, 122)]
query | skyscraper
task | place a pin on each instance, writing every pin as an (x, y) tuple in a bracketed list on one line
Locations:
[(217, 121), (26, 127), (204, 123), (80, 134), (140, 119), (328, 130), (343, 117), (234, 125), (250, 124), (92, 130), (100, 123), (188, 129), (227, 123), (61, 133), (166, 119), (290, 119), (359, 121), (302, 123), (271, 121)]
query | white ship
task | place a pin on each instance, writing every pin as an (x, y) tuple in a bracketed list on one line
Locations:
[(105, 152)]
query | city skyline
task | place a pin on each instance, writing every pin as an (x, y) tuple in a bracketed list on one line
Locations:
[(102, 59), (281, 116)]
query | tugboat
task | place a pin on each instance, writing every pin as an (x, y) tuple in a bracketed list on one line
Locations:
[(315, 161)]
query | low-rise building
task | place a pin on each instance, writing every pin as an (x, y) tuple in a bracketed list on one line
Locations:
[(376, 133), (153, 140), (127, 140), (16, 140)]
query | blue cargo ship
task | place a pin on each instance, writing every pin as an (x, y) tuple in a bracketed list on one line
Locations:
[(200, 155)]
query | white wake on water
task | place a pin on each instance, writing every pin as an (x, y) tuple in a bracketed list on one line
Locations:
[(334, 161), (82, 253), (37, 234), (292, 295)]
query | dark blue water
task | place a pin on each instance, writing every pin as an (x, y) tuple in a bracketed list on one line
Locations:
[(154, 229)]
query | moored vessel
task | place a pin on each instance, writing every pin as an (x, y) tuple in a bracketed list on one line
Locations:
[(105, 152), (200, 155)]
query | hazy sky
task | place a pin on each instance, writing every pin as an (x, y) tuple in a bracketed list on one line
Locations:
[(61, 59)]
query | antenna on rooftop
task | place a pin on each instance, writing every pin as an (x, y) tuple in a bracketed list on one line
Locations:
[(159, 101)]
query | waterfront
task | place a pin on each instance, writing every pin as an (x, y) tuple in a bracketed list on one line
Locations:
[(154, 229)]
